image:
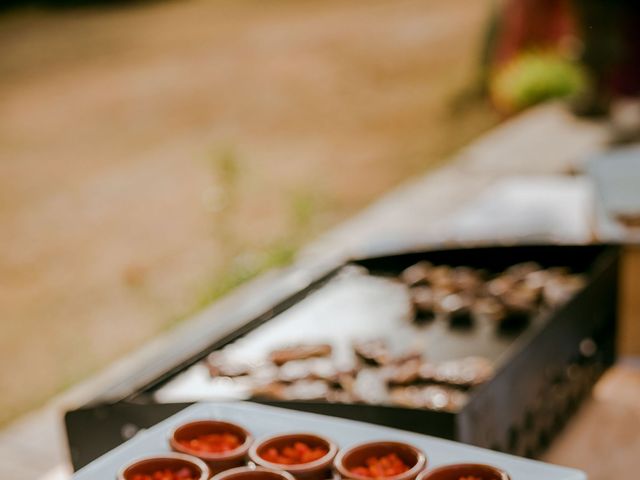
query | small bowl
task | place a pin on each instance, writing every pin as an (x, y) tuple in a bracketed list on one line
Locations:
[(173, 461), (253, 473), (217, 462), (454, 472), (356, 456), (319, 469)]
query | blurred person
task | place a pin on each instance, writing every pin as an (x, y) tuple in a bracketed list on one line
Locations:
[(533, 24), (602, 35), (610, 32)]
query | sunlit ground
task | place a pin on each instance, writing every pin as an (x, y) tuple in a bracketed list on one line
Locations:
[(153, 157)]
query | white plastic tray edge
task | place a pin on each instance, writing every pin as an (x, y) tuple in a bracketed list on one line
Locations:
[(345, 432)]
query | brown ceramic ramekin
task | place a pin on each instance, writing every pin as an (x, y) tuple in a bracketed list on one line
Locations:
[(357, 456), (253, 473), (217, 462), (319, 469), (457, 471), (171, 461)]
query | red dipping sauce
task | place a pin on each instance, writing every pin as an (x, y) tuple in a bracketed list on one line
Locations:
[(295, 454), (213, 442), (381, 467), (167, 474)]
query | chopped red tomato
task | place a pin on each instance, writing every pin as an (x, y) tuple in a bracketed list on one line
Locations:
[(298, 452), (381, 467), (167, 474), (212, 442)]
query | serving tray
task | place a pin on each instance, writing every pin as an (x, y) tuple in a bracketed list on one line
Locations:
[(263, 420)]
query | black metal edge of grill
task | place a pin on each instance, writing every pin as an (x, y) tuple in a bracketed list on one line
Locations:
[(550, 377), (558, 372)]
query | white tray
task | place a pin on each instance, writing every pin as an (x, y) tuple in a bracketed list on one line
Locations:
[(263, 420)]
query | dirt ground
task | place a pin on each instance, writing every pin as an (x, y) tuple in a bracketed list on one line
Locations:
[(152, 156)]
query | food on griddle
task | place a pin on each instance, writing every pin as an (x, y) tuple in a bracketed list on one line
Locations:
[(370, 386), (509, 300), (212, 442), (406, 372), (536, 280), (522, 298), (374, 374), (373, 352), (501, 285), (410, 354), (457, 310), (264, 373), (306, 390), (442, 279), (423, 300), (167, 474), (299, 352), (313, 369), (520, 305), (560, 288), (460, 373), (300, 390), (521, 270), (294, 371), (332, 373), (220, 366), (490, 308), (467, 279), (381, 467), (340, 396), (463, 372), (346, 382), (295, 454), (432, 397), (321, 379), (470, 477), (417, 274), (272, 390)]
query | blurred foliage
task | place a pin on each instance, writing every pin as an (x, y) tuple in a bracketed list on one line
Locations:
[(226, 166), (535, 77), (306, 205), (222, 197)]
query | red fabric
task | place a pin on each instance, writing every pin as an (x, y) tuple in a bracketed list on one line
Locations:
[(528, 24)]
